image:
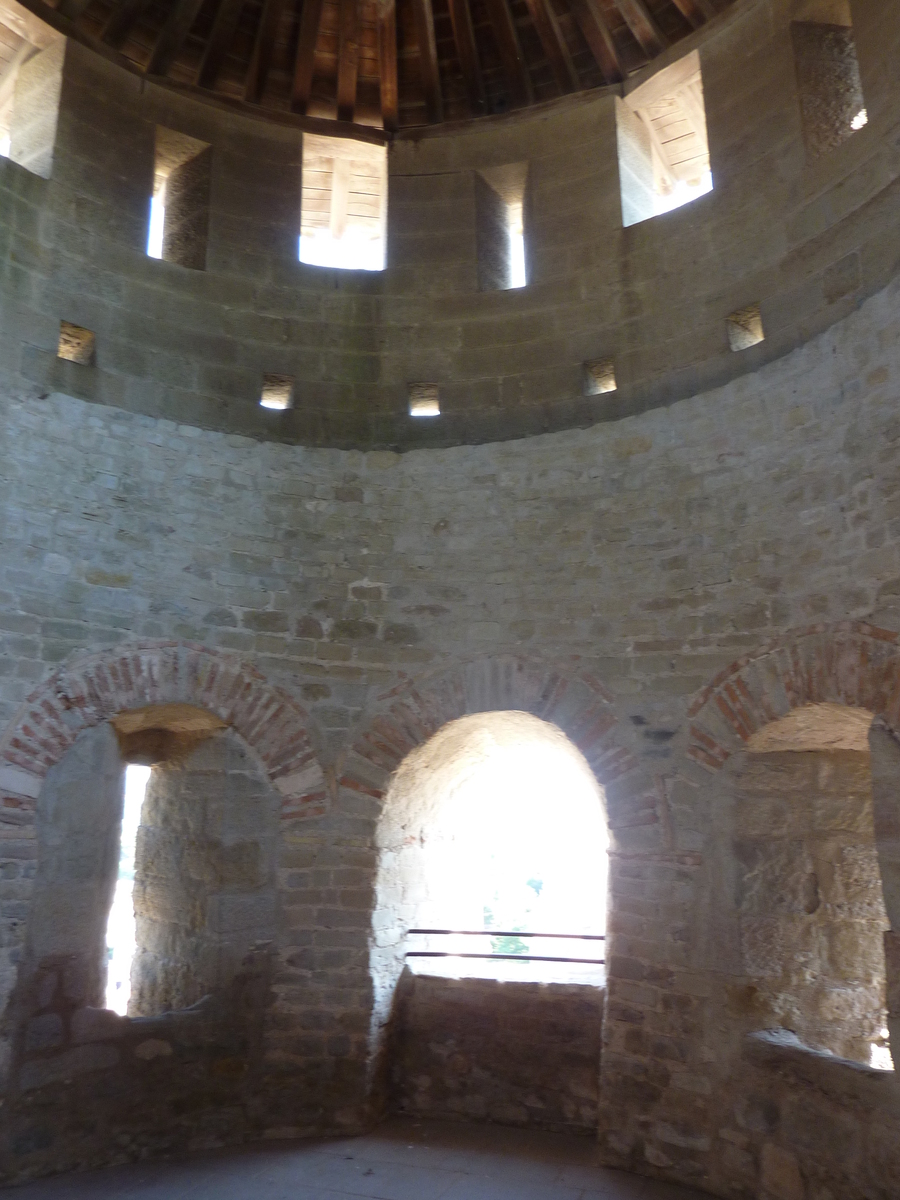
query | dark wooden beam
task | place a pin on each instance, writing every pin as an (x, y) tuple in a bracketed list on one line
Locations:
[(558, 56), (511, 56), (305, 61), (598, 37), (261, 59), (650, 37), (72, 9), (174, 31), (387, 62), (348, 58), (220, 39), (121, 19), (467, 53), (697, 12), (431, 79)]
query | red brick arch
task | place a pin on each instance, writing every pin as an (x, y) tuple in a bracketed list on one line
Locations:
[(850, 663), (573, 699), (95, 688)]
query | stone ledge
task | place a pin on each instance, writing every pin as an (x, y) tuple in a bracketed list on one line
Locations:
[(839, 1078)]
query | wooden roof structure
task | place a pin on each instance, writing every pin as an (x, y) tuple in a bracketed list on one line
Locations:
[(389, 64)]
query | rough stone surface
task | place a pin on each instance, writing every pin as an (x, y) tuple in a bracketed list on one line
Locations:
[(512, 1053)]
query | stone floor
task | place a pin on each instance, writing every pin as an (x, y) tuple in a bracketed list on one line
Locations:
[(402, 1160)]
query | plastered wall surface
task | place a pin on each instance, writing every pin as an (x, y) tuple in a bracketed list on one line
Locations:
[(805, 237)]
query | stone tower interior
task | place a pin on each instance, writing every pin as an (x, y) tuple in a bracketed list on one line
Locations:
[(450, 482)]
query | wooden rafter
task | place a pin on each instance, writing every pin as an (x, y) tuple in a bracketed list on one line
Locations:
[(220, 39), (72, 8), (387, 61), (305, 60), (121, 19), (697, 12), (511, 56), (431, 79), (467, 52), (637, 17), (554, 44), (598, 37), (261, 59), (177, 27), (348, 58)]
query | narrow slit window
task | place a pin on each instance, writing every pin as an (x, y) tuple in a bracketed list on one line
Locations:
[(662, 142), (500, 227), (179, 207), (277, 392), (120, 928), (745, 328), (424, 400), (76, 344), (343, 204), (832, 104), (31, 65)]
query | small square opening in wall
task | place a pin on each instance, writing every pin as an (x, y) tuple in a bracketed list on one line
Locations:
[(277, 392), (745, 328), (179, 206), (76, 344), (832, 104), (424, 400), (662, 142), (599, 376)]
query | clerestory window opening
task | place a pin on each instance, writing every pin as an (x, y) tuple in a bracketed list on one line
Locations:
[(179, 206), (662, 142), (343, 204), (120, 928), (829, 85), (31, 62), (500, 226)]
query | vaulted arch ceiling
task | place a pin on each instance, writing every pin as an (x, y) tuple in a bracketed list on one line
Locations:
[(386, 63)]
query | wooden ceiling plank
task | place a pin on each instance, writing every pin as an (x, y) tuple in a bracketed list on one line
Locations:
[(598, 37), (121, 20), (431, 79), (696, 12), (467, 52), (171, 38), (348, 58), (387, 59), (511, 56), (637, 17), (304, 63), (220, 39), (558, 56), (263, 46), (72, 8)]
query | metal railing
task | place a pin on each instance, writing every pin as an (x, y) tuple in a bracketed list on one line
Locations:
[(499, 933)]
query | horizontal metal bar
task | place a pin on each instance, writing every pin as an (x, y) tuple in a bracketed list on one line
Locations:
[(596, 962), (579, 937)]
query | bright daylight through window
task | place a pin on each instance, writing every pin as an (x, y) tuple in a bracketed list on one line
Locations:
[(513, 840), (343, 205), (120, 937)]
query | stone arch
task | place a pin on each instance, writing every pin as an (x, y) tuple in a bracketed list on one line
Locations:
[(96, 688), (853, 664), (410, 713), (568, 696)]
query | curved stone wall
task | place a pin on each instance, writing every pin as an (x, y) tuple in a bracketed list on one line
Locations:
[(806, 239), (658, 554)]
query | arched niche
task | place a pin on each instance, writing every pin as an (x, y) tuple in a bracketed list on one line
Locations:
[(409, 715), (825, 692)]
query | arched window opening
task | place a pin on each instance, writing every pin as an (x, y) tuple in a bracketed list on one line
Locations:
[(495, 824), (809, 894)]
